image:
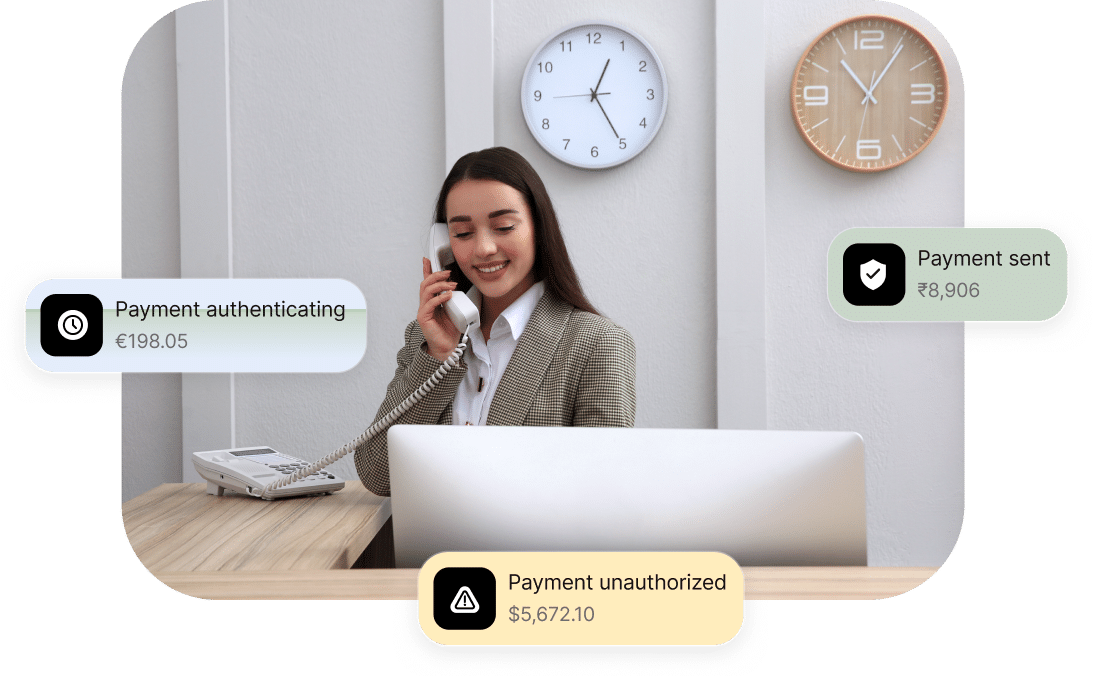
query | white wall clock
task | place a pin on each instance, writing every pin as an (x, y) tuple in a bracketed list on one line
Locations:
[(594, 95), (869, 93)]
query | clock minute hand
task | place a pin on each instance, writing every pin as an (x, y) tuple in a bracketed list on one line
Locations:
[(597, 100), (868, 92), (570, 96)]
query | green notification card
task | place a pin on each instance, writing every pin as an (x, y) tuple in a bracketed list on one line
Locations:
[(946, 274)]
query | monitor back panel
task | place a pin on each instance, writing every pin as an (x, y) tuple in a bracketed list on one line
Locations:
[(766, 498)]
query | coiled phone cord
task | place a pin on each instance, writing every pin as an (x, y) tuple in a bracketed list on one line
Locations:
[(378, 426)]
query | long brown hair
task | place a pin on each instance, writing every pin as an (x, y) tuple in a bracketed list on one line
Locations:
[(552, 262)]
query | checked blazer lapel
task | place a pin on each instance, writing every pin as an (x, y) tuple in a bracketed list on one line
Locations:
[(537, 345)]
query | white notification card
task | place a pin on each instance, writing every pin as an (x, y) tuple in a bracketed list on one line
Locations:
[(196, 325)]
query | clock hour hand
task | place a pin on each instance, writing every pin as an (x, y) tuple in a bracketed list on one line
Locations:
[(596, 98), (868, 92), (598, 82)]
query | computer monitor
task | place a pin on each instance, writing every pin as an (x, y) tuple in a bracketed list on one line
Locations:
[(766, 498)]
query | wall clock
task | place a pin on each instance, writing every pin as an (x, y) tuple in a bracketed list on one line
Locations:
[(869, 94), (594, 95)]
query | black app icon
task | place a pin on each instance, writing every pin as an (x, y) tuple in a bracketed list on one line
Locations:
[(874, 274), (71, 325), (464, 598)]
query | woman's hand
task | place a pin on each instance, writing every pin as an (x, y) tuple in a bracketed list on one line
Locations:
[(440, 333)]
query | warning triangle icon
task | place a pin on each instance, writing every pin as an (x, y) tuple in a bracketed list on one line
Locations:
[(464, 602)]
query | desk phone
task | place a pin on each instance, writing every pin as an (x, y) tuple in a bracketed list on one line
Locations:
[(267, 474), (250, 470)]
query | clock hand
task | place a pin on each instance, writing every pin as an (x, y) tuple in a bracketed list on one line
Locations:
[(594, 91), (597, 100), (866, 109), (869, 94), (570, 96)]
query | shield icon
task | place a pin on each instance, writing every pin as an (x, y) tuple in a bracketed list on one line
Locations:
[(872, 273)]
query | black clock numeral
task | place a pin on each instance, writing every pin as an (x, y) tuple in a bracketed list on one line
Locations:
[(566, 144), (538, 95), (622, 143), (546, 67), (642, 123), (546, 123), (593, 38), (650, 97), (564, 43), (641, 69), (595, 152), (623, 43)]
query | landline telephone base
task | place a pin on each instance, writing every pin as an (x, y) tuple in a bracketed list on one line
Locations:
[(251, 470)]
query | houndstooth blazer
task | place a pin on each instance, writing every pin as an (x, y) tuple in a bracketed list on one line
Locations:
[(570, 368)]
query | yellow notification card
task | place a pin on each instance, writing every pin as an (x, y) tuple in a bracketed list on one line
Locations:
[(581, 598)]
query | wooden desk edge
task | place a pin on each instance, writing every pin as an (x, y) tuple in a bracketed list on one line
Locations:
[(787, 583), (343, 555)]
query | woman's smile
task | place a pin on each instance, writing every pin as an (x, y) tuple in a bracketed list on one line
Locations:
[(490, 268)]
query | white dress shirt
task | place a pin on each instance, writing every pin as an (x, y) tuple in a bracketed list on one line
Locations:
[(486, 362)]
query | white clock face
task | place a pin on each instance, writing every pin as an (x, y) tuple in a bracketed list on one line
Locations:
[(594, 95)]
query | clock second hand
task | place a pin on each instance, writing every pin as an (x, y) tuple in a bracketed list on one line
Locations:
[(866, 109), (570, 96)]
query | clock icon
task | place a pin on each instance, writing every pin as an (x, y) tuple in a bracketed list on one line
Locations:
[(72, 325), (594, 95)]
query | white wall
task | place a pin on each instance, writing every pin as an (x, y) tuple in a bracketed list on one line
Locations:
[(151, 403), (338, 152), (901, 385), (337, 128)]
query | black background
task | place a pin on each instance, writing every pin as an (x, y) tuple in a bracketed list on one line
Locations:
[(483, 585), (55, 305), (1026, 139), (888, 294)]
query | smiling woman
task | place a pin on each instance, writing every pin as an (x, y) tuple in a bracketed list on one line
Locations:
[(493, 240), (542, 355)]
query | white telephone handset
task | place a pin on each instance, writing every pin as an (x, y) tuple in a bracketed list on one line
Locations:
[(255, 470), (460, 309)]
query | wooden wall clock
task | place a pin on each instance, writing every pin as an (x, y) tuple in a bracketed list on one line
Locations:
[(869, 94), (594, 95)]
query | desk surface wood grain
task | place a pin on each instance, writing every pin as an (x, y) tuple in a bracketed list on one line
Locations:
[(180, 528), (759, 583)]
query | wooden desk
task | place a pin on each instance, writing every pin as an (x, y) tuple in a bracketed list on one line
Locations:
[(178, 527), (237, 547)]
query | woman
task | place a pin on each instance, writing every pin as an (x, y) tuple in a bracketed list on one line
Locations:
[(542, 355)]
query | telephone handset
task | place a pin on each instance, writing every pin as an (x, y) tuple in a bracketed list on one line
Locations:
[(255, 470), (460, 309)]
